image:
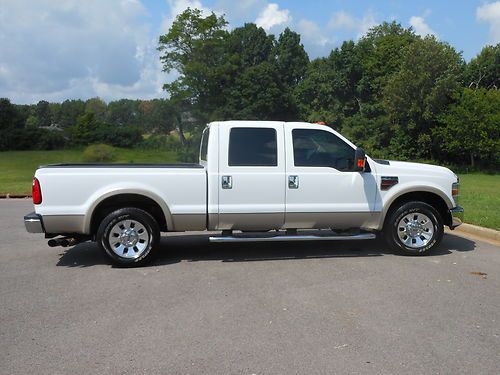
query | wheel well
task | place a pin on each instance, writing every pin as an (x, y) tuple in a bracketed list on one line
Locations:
[(432, 199), (127, 200)]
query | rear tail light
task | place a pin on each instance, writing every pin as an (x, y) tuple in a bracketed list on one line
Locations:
[(455, 190), (36, 191)]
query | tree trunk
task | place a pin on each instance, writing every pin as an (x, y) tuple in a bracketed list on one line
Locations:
[(472, 160), (178, 127)]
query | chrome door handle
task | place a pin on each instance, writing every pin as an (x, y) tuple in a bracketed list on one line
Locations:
[(227, 182), (293, 182)]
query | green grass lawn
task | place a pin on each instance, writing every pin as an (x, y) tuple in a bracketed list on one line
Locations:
[(480, 197), (479, 194), (17, 167)]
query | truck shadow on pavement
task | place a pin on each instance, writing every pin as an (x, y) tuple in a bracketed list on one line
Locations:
[(192, 248)]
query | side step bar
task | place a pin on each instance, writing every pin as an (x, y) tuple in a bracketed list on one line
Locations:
[(361, 236)]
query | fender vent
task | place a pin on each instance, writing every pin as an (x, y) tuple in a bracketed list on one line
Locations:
[(386, 182)]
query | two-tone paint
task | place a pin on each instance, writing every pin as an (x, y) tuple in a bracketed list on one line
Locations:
[(198, 197)]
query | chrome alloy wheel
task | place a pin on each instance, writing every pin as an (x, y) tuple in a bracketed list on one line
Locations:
[(128, 239), (415, 230)]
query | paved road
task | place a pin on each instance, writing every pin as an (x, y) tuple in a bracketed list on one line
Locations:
[(305, 308)]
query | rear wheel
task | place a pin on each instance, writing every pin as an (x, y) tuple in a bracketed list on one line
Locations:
[(415, 228), (129, 237)]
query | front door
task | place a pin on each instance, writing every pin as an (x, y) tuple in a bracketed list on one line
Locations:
[(323, 191), (251, 176)]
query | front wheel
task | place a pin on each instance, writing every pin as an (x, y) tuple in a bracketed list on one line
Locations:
[(415, 228), (129, 237)]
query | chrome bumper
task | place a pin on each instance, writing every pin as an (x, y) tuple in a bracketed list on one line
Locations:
[(33, 223), (457, 216)]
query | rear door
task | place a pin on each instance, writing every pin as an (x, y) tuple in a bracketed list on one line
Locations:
[(251, 175)]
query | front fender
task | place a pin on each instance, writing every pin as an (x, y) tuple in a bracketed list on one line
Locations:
[(399, 190)]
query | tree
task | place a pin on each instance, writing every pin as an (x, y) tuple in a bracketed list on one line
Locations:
[(249, 46), (43, 114), (381, 53), (84, 131), (123, 112), (470, 128), (9, 116), (419, 92), (484, 69), (97, 107), (193, 47), (69, 111), (290, 57), (158, 115), (258, 95)]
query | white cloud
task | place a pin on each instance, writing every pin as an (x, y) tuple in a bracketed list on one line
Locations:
[(57, 50), (179, 6), (240, 11), (272, 16), (420, 26), (314, 39), (344, 21), (490, 13), (310, 31)]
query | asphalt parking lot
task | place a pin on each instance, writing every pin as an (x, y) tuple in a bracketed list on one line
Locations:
[(290, 308)]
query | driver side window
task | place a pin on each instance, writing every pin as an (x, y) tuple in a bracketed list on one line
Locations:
[(319, 148)]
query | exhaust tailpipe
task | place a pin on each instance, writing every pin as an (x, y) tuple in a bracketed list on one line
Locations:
[(63, 241)]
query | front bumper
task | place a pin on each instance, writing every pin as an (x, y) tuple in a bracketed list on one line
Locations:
[(33, 223), (457, 216)]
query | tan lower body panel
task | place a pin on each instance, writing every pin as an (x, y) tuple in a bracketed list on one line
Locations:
[(261, 221), (335, 220), (186, 222), (63, 223), (300, 220)]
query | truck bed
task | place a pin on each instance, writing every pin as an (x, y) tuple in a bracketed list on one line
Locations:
[(71, 192), (122, 165)]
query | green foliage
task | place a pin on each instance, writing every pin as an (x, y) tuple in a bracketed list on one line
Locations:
[(43, 114), (484, 70), (99, 153), (186, 151), (18, 136), (88, 130), (291, 58), (97, 107), (420, 91), (119, 136), (69, 111), (470, 129), (257, 94), (193, 47), (84, 131), (394, 93)]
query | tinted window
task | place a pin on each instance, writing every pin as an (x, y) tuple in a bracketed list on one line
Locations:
[(319, 148), (204, 144), (253, 147)]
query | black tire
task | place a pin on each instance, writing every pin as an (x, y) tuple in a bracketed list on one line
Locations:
[(409, 241), (149, 234)]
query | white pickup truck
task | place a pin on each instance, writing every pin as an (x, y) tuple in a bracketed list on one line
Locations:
[(255, 181)]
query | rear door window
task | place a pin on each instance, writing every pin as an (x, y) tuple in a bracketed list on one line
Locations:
[(253, 147)]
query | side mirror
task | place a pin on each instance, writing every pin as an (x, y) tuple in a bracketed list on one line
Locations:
[(359, 160)]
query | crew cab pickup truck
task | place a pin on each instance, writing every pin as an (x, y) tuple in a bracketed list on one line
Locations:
[(255, 181)]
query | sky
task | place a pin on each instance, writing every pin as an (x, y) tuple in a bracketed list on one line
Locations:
[(71, 49)]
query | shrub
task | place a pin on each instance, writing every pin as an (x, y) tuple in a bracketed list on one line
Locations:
[(99, 153), (50, 140), (119, 136)]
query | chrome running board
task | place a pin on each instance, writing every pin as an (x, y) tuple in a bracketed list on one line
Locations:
[(271, 238)]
